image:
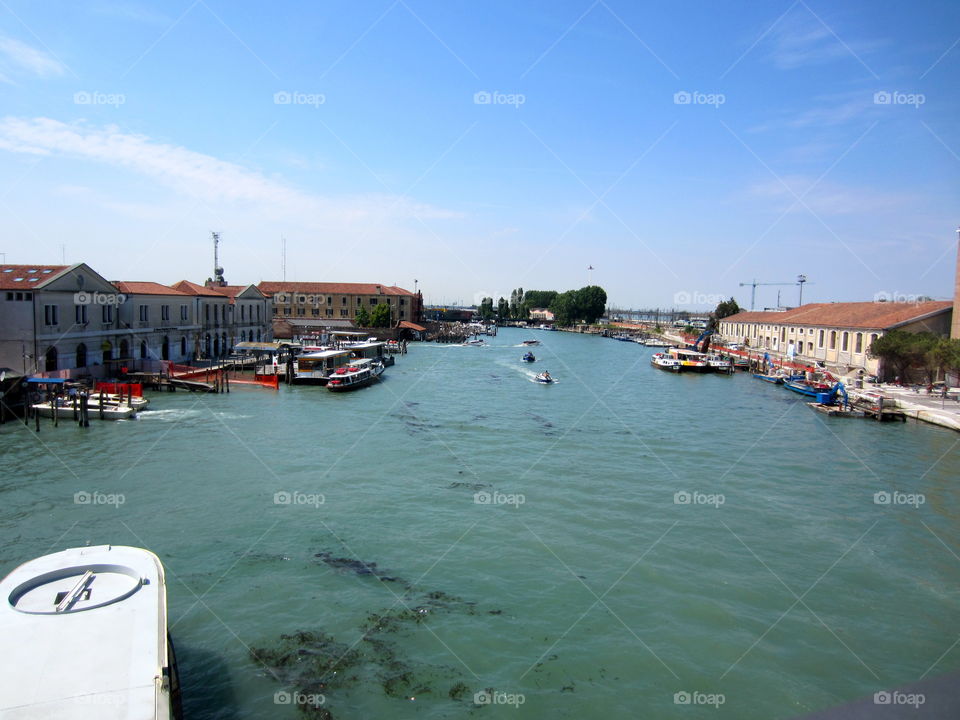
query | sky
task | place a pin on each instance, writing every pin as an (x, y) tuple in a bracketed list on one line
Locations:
[(468, 148)]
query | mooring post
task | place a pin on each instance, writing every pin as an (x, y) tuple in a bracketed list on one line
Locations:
[(101, 404)]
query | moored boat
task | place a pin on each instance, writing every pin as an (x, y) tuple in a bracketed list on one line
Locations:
[(665, 362), (719, 364), (690, 360), (85, 637), (65, 410)]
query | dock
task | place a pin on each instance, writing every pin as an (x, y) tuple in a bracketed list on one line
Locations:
[(854, 411)]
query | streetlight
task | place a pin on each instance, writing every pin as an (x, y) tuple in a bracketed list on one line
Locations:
[(801, 279)]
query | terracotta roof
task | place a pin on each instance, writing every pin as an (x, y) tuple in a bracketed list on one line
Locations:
[(145, 288), (189, 288), (24, 277), (232, 291), (864, 315), (317, 288)]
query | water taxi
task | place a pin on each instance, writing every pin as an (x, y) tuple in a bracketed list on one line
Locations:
[(665, 362), (85, 637), (690, 360), (358, 374)]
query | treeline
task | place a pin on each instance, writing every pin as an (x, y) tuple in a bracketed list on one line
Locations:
[(584, 305), (904, 353)]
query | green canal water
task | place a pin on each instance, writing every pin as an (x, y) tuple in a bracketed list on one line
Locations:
[(528, 540)]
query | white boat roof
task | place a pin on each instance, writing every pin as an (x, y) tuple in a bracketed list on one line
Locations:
[(324, 354), (95, 656)]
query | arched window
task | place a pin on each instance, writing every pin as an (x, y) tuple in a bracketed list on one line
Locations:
[(81, 355), (165, 348), (845, 342), (243, 336), (143, 349), (50, 357), (124, 349), (833, 339), (107, 348)]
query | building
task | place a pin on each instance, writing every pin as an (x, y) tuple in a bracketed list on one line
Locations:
[(541, 314), (320, 301), (836, 334), (226, 315), (156, 322)]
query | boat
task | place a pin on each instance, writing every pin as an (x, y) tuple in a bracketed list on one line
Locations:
[(530, 343), (529, 357), (774, 378), (476, 342), (719, 364), (690, 360), (85, 637), (654, 342), (665, 362), (357, 374), (622, 337), (544, 378), (65, 410), (809, 389)]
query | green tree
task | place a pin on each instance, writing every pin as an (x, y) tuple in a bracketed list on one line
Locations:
[(538, 298), (591, 303), (380, 316), (503, 309), (564, 308), (726, 309), (485, 310), (894, 349), (363, 317)]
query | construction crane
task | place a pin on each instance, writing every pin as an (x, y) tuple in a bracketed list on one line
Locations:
[(801, 279)]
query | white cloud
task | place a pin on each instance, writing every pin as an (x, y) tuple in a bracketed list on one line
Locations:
[(801, 40), (826, 198), (15, 55), (204, 177)]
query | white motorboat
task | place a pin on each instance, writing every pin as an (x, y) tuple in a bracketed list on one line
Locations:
[(65, 410), (544, 378), (85, 637), (665, 362), (357, 374)]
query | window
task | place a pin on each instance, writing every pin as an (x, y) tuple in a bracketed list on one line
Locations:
[(50, 358), (833, 339), (144, 313), (165, 313), (343, 300), (820, 339), (258, 313), (51, 315), (81, 355), (243, 312), (858, 343), (329, 312), (106, 313), (206, 314), (873, 339), (143, 350), (316, 312), (329, 299), (302, 298), (783, 335), (26, 296), (9, 296), (183, 313), (343, 312), (373, 301), (359, 301), (183, 345), (300, 311), (80, 314), (402, 301), (845, 343)]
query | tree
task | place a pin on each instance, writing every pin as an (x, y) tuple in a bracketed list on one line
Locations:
[(363, 317), (486, 309), (591, 303), (564, 308), (538, 298), (380, 316), (893, 349), (503, 309), (726, 309)]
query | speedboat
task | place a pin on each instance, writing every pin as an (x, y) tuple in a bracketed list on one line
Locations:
[(530, 343), (529, 357), (544, 378), (65, 409), (85, 637)]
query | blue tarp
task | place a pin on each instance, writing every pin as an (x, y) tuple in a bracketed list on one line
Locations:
[(50, 381)]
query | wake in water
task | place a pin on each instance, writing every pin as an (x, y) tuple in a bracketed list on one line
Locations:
[(523, 369)]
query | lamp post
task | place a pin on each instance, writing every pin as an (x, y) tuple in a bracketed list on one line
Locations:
[(801, 279)]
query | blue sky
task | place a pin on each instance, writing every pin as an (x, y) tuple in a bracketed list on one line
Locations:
[(678, 148)]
